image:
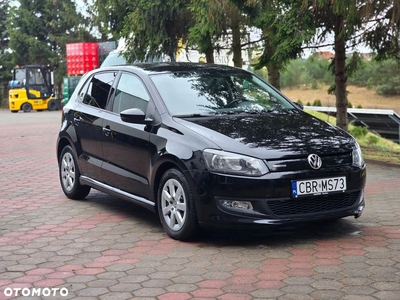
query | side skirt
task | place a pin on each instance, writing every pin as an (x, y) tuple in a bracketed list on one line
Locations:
[(84, 180)]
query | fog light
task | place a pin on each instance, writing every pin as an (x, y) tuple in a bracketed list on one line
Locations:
[(237, 204)]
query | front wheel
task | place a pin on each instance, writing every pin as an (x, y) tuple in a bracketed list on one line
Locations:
[(176, 207), (69, 175), (26, 107)]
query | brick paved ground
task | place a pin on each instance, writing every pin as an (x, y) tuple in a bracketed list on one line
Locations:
[(104, 248)]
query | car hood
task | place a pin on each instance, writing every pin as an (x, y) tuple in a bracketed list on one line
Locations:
[(272, 135)]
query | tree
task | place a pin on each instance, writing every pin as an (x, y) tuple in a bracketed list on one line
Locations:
[(108, 16), (200, 25), (154, 28), (4, 38), (383, 37), (39, 31), (285, 27), (5, 55), (4, 41), (352, 22), (218, 25)]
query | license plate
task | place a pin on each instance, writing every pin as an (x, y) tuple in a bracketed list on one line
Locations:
[(318, 186)]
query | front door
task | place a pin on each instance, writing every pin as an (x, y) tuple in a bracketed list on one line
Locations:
[(125, 145)]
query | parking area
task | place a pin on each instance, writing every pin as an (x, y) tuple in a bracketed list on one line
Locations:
[(104, 248)]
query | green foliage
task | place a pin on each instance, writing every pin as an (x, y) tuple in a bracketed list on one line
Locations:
[(359, 106), (358, 131), (109, 16), (382, 75), (314, 85), (349, 105), (372, 140), (299, 101), (152, 28), (317, 102), (39, 31), (285, 33), (5, 56), (290, 76), (263, 73), (307, 72), (389, 89)]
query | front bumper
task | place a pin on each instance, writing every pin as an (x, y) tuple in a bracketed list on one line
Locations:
[(271, 200)]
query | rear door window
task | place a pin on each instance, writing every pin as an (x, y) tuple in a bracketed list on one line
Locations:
[(98, 90)]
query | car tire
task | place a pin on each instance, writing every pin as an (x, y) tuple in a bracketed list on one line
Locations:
[(176, 207), (69, 175), (26, 107)]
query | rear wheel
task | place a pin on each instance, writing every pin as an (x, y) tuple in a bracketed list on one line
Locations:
[(26, 107), (69, 175), (176, 207)]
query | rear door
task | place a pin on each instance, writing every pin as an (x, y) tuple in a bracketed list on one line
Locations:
[(88, 119), (126, 145)]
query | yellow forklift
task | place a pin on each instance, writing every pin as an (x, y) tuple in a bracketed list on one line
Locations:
[(32, 87)]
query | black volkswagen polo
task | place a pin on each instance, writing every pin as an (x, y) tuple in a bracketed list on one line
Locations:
[(205, 145)]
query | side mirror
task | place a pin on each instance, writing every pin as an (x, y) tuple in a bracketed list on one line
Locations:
[(135, 116)]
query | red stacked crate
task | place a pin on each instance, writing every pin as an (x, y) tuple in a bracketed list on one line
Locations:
[(81, 58)]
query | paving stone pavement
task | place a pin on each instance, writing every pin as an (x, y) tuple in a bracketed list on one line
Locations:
[(105, 248)]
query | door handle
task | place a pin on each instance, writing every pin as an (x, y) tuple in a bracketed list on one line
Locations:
[(107, 130), (77, 120)]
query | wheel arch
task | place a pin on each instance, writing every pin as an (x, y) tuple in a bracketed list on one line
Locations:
[(61, 145), (170, 162), (62, 142)]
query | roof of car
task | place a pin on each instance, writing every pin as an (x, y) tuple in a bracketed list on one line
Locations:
[(168, 67)]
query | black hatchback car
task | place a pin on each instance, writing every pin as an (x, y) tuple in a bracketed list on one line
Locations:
[(205, 145)]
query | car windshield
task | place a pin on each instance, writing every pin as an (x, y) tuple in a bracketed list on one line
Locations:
[(205, 93)]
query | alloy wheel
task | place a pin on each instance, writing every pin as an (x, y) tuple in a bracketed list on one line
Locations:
[(174, 204), (68, 171)]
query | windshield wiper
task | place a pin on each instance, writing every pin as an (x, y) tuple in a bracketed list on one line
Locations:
[(255, 111), (192, 116)]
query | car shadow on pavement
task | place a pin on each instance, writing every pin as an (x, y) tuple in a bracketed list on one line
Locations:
[(265, 235), (280, 235)]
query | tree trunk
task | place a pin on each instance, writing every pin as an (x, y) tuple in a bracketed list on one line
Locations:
[(4, 103), (274, 76), (209, 50), (236, 43), (210, 56), (340, 77)]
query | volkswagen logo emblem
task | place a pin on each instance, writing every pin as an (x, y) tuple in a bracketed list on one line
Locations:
[(315, 161)]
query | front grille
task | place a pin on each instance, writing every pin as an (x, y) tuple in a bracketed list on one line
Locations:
[(317, 204), (328, 161)]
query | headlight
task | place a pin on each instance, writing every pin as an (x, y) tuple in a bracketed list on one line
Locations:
[(236, 164), (358, 159)]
